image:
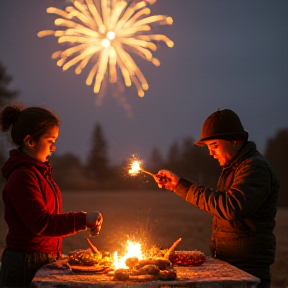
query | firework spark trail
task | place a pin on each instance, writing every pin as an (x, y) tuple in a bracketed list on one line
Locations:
[(99, 32)]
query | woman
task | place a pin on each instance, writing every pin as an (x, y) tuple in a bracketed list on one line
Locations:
[(32, 199)]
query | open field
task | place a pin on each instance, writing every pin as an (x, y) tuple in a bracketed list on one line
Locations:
[(160, 217)]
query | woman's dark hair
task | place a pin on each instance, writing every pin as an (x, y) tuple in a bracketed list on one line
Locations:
[(33, 121)]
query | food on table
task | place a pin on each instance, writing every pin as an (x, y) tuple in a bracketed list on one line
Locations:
[(158, 264), (131, 262), (88, 258), (167, 275), (147, 269), (121, 274), (187, 258), (172, 248)]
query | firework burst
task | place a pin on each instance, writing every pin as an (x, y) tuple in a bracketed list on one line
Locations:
[(101, 32)]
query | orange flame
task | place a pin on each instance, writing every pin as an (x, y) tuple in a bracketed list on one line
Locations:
[(133, 250)]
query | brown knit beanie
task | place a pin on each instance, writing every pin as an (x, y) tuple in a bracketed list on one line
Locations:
[(222, 124)]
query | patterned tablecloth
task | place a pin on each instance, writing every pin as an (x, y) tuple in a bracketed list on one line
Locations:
[(212, 273)]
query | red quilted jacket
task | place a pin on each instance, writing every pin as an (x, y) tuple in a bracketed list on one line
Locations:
[(33, 207)]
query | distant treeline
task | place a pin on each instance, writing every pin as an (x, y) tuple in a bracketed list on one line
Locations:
[(184, 158)]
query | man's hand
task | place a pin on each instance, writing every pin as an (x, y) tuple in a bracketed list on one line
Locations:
[(166, 179)]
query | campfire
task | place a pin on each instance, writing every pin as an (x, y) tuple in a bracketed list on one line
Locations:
[(136, 265), (133, 251), (153, 264)]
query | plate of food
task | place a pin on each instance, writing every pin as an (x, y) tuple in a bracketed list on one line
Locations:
[(88, 261)]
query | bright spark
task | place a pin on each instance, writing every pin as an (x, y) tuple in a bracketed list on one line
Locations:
[(135, 167), (99, 31)]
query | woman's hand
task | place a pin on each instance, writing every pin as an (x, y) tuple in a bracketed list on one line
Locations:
[(94, 221), (166, 179)]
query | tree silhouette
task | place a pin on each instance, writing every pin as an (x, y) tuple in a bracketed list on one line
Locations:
[(276, 153), (193, 163), (98, 161), (174, 158), (6, 95), (198, 165), (156, 161), (189, 157), (68, 171)]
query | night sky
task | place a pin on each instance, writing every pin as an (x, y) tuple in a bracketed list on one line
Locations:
[(227, 54)]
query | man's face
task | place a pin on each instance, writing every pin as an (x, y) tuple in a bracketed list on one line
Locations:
[(222, 150)]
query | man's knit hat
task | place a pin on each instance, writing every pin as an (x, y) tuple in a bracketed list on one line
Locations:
[(222, 124)]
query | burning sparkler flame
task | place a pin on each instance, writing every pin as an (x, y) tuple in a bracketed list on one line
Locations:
[(135, 167), (101, 36)]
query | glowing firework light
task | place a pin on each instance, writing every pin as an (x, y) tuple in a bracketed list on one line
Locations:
[(100, 31), (136, 167)]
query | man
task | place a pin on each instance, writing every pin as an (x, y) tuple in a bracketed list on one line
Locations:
[(244, 203)]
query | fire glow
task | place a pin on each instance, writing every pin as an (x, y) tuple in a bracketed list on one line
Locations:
[(133, 250)]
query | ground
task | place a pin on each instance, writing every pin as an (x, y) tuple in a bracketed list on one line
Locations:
[(159, 216)]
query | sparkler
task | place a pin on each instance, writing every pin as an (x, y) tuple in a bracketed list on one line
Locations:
[(136, 167), (100, 31)]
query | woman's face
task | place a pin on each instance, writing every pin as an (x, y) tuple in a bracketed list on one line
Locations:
[(42, 148)]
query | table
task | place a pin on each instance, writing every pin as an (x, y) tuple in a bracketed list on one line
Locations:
[(212, 273)]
